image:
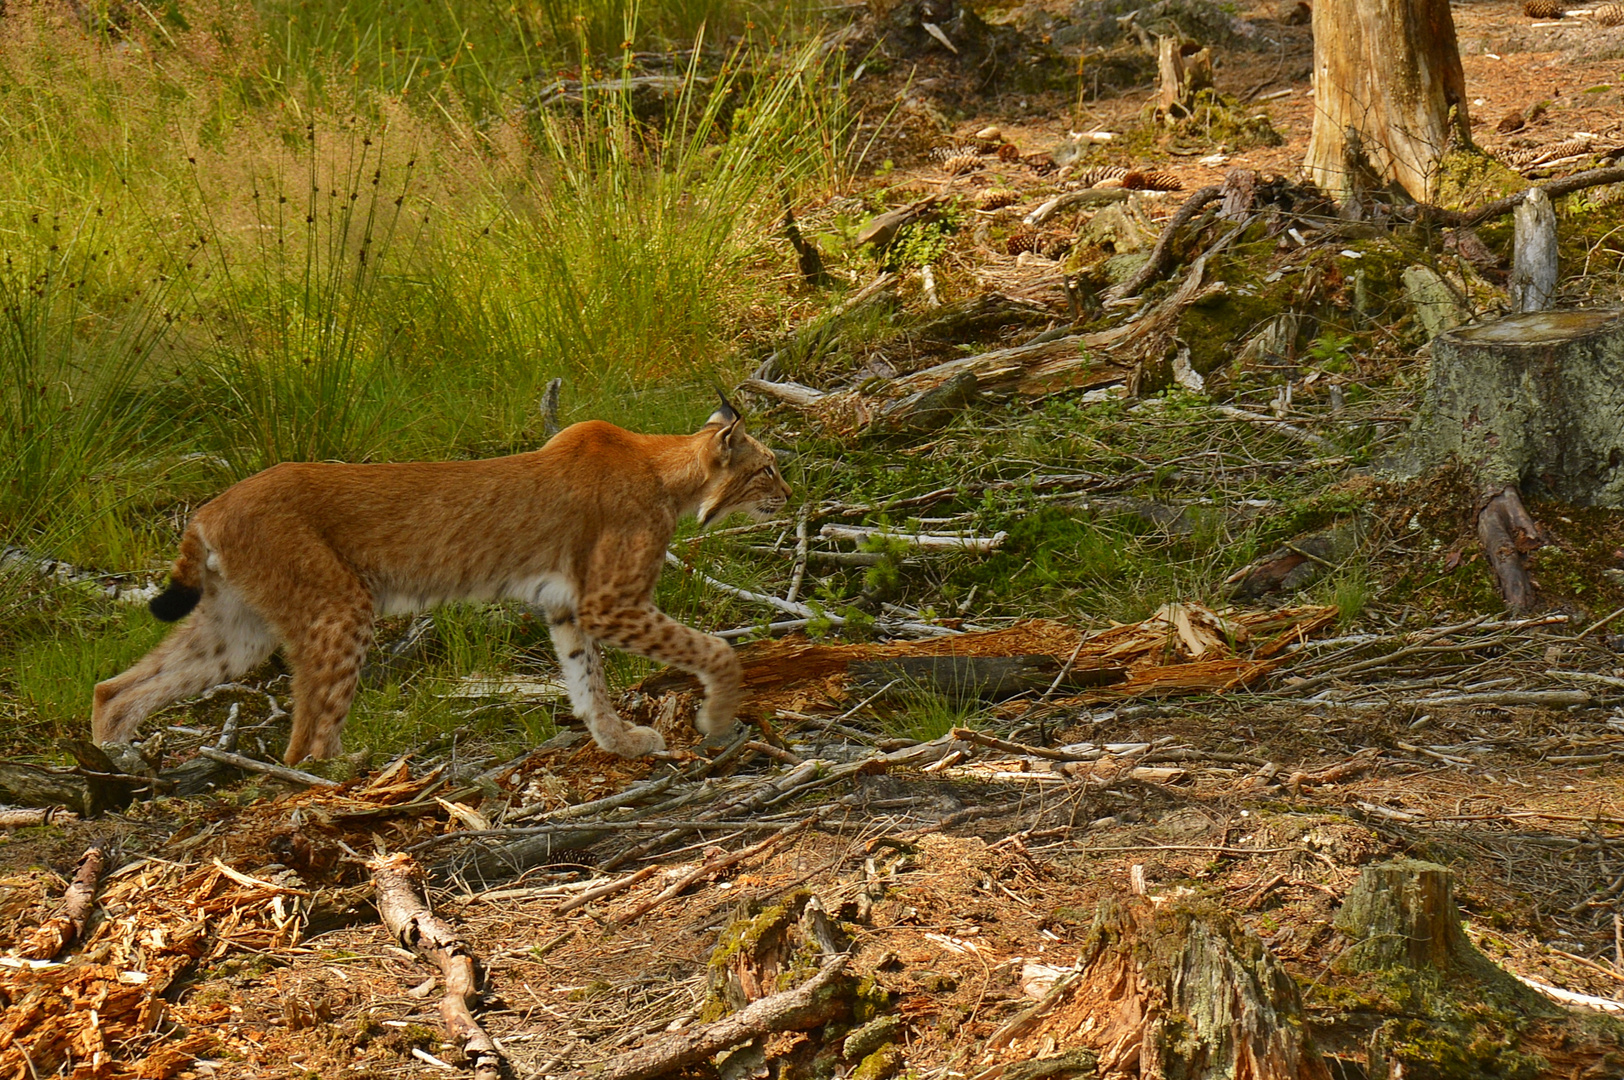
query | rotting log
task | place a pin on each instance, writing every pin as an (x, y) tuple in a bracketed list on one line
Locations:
[(979, 678), (398, 881), (36, 815), (1178, 990), (78, 902)]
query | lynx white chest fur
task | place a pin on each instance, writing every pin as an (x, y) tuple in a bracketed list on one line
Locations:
[(309, 555)]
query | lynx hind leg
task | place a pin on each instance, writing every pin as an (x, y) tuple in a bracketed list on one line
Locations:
[(578, 655), (223, 639), (647, 631), (327, 655)]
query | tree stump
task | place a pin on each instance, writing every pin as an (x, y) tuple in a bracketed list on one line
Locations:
[(1534, 401), (1533, 264), (1402, 914), (1183, 68), (1181, 991), (1531, 403), (1389, 75)]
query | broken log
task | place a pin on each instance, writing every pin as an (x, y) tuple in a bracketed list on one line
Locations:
[(812, 1004), (39, 815), (1534, 401), (78, 902), (398, 881)]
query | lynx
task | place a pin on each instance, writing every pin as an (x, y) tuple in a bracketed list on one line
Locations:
[(309, 555)]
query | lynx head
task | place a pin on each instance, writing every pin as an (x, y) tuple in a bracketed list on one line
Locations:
[(744, 474)]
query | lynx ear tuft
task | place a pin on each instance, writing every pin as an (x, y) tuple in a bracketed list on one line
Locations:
[(725, 415)]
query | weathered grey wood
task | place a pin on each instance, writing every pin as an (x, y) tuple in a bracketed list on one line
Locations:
[(983, 678), (1534, 401), (1533, 263), (87, 796), (1183, 68)]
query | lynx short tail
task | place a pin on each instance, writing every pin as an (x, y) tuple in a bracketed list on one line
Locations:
[(185, 580)]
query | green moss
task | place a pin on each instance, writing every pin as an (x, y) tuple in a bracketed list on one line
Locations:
[(1468, 177), (882, 1064)]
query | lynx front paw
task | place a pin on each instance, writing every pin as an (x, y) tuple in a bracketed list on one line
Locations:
[(630, 741)]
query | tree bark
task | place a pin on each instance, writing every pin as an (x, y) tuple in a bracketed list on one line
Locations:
[(1507, 534), (1183, 68), (1389, 94)]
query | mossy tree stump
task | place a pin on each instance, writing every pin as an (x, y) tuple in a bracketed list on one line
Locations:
[(1531, 403)]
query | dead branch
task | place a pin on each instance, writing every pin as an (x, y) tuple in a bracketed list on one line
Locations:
[(809, 1005), (77, 903), (1161, 255), (619, 885), (280, 772), (981, 545), (399, 882)]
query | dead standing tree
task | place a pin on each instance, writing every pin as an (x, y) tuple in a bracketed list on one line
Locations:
[(1389, 96)]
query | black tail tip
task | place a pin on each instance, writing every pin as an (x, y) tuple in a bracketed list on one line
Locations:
[(174, 602)]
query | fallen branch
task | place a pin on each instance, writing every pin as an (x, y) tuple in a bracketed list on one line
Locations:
[(619, 885), (281, 772), (1161, 256), (923, 541), (77, 903), (815, 1002), (399, 881)]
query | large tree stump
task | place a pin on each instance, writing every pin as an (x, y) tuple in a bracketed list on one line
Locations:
[(1534, 401), (1389, 94)]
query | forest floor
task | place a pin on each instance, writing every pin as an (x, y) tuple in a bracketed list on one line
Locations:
[(1394, 710)]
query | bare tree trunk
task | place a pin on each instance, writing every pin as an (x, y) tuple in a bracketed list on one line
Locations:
[(1388, 95)]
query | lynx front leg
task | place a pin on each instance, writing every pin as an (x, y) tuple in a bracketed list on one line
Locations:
[(649, 632), (589, 694)]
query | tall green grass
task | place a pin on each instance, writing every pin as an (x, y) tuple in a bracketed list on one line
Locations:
[(227, 241)]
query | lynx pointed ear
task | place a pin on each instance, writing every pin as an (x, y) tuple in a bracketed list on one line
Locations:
[(724, 416)]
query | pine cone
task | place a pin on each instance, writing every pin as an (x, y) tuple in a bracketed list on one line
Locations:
[(1511, 121), (1543, 9), (1151, 180), (959, 164), (1026, 240), (1099, 174), (998, 198), (1009, 152), (1610, 15)]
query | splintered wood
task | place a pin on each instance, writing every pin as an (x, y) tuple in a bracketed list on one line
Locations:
[(1181, 649), (105, 1009)]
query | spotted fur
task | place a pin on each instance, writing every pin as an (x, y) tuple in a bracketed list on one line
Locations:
[(309, 555)]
